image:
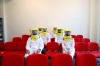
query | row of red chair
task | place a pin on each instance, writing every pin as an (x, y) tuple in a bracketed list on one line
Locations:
[(85, 40), (12, 47), (80, 37), (85, 59), (19, 39), (52, 47), (91, 47)]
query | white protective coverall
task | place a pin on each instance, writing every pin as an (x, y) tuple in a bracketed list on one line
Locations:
[(68, 45), (33, 46)]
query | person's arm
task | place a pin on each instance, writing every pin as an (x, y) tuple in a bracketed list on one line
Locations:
[(73, 45), (63, 47), (28, 46), (72, 48), (41, 44), (55, 38), (40, 47)]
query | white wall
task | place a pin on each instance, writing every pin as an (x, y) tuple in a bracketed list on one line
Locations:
[(1, 8), (21, 15)]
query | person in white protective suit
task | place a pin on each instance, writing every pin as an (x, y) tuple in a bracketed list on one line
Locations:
[(59, 36), (45, 36), (68, 44), (54, 32), (34, 43)]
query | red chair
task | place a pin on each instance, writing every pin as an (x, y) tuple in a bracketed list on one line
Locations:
[(94, 48), (76, 39), (52, 48), (86, 40), (80, 37), (86, 59), (21, 47), (10, 46), (37, 60), (16, 39), (60, 47), (61, 60), (52, 39), (25, 37), (1, 46), (13, 60), (73, 36), (80, 46)]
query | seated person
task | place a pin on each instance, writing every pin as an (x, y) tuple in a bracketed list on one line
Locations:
[(68, 44), (59, 36), (45, 36), (54, 32), (34, 43)]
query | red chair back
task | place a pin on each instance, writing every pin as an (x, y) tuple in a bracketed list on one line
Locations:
[(10, 46), (86, 59), (76, 39), (61, 60), (92, 46), (80, 37), (52, 46), (13, 60), (52, 39), (86, 40), (21, 46), (73, 36), (80, 46), (25, 37), (16, 39), (1, 46), (37, 60)]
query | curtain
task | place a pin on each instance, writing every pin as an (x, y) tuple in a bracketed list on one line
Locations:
[(94, 27), (98, 36)]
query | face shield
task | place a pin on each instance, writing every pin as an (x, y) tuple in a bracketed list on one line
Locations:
[(34, 32), (54, 28), (67, 33), (44, 30), (40, 29), (59, 31)]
